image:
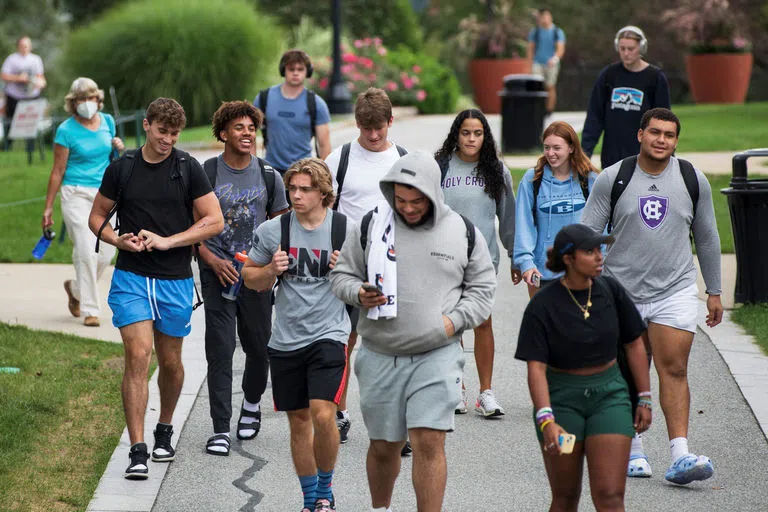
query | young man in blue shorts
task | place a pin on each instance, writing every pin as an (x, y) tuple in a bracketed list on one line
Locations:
[(165, 206), (307, 350)]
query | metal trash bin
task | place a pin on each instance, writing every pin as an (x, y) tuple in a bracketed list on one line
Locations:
[(523, 108), (748, 204)]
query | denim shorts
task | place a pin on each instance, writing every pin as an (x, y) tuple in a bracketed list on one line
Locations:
[(167, 302), (588, 405)]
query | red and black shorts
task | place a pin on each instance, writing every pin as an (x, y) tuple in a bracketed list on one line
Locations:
[(314, 372)]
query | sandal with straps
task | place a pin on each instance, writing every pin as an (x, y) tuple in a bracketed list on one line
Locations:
[(215, 444), (255, 426)]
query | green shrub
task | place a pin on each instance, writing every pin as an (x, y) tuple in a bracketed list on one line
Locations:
[(392, 20), (200, 52), (438, 81)]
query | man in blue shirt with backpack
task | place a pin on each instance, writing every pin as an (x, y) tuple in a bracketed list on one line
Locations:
[(546, 46)]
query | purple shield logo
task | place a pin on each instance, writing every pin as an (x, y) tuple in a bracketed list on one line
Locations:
[(653, 210)]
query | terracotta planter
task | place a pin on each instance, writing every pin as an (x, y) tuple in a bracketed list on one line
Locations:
[(719, 77), (486, 77)]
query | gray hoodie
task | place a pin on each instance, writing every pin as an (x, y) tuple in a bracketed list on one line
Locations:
[(434, 276)]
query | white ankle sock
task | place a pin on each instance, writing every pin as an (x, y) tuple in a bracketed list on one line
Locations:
[(248, 406), (637, 446), (679, 447)]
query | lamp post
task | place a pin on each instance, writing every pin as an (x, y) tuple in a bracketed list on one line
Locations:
[(339, 98)]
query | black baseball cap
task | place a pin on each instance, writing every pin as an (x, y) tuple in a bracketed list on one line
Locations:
[(579, 236)]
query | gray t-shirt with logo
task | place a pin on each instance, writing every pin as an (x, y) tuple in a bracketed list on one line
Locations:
[(652, 220), (243, 197), (306, 310)]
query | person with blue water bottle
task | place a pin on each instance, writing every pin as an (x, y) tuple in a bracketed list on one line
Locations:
[(82, 149), (249, 192)]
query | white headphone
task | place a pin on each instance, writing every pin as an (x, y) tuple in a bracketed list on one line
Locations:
[(634, 30)]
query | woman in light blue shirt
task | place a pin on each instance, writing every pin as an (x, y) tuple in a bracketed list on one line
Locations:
[(82, 148)]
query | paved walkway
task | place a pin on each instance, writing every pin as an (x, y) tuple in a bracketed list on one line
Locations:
[(493, 465)]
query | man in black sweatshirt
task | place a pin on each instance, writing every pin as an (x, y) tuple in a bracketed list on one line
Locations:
[(624, 91)]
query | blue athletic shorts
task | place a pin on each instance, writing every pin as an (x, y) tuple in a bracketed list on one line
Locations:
[(167, 302)]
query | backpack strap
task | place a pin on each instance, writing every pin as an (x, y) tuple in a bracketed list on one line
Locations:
[(338, 230), (626, 170), (341, 172), (691, 182), (536, 184), (268, 175), (312, 109), (262, 98), (401, 150), (211, 167), (365, 223), (285, 236), (125, 165), (584, 183), (444, 166), (470, 236)]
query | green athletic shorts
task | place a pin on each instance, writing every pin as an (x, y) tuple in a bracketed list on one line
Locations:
[(589, 405)]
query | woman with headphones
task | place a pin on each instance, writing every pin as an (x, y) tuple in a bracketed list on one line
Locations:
[(624, 91)]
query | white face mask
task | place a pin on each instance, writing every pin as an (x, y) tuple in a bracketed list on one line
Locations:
[(87, 109)]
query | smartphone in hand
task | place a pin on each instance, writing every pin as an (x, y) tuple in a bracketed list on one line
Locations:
[(566, 442), (371, 288), (536, 280)]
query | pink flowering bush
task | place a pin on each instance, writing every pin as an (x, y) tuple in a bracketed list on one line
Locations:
[(366, 65)]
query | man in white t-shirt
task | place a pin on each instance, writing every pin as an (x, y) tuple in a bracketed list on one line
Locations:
[(357, 167), (24, 77)]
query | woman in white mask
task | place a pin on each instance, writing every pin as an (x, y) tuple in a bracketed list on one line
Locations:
[(82, 148)]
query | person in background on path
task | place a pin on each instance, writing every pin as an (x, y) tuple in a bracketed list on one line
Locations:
[(624, 91), (293, 115), (546, 46), (82, 148), (366, 160), (308, 343), (420, 281), (477, 184), (165, 205), (575, 383), (247, 197), (24, 78), (664, 205), (550, 196)]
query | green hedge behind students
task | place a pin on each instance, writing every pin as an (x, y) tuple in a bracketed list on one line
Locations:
[(573, 377)]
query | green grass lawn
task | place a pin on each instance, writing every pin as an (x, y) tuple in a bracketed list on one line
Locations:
[(60, 417), (754, 319), (720, 127)]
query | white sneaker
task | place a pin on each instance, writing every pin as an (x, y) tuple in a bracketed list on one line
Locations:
[(462, 407), (487, 405)]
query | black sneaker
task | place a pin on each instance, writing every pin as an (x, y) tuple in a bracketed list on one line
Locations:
[(407, 450), (163, 451), (137, 469), (343, 425)]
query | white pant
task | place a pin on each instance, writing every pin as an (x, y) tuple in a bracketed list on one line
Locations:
[(76, 203)]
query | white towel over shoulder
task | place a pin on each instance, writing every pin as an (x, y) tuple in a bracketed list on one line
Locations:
[(382, 265)]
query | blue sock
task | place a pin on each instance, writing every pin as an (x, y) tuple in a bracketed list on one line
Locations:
[(309, 488), (324, 482)]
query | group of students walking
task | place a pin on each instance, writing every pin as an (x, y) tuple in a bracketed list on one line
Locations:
[(401, 248)]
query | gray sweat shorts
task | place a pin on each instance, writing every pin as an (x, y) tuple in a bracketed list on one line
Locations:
[(398, 393)]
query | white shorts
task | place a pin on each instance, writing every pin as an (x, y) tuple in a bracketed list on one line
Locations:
[(679, 310)]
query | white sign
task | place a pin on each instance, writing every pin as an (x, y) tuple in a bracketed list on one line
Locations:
[(26, 119)]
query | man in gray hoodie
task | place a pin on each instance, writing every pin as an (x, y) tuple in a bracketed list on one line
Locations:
[(431, 283)]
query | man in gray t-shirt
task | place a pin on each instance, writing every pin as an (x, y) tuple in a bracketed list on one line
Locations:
[(307, 349), (652, 221), (246, 200)]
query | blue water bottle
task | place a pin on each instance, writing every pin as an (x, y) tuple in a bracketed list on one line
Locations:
[(230, 292), (42, 245)]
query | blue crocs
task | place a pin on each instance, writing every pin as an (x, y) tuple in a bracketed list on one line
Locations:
[(638, 467), (688, 468)]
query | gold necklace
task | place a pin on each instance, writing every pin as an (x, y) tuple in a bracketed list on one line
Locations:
[(584, 309)]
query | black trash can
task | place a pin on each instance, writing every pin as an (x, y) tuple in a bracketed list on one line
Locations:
[(523, 108), (748, 204)]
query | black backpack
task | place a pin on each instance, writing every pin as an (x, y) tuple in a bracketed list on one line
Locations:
[(181, 173), (366, 221), (262, 98), (627, 169), (344, 163), (536, 183), (267, 174)]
